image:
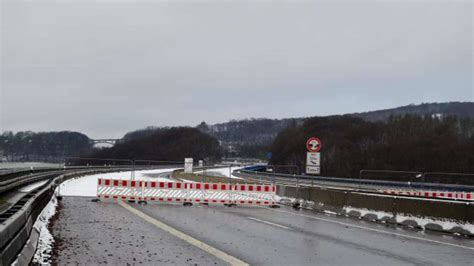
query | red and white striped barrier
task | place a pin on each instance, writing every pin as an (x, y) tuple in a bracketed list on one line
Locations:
[(181, 192), (453, 195)]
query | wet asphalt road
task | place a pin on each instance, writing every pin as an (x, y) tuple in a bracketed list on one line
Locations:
[(96, 233), (88, 233)]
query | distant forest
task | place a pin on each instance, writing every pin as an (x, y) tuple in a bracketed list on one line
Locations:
[(164, 144), (253, 137), (248, 138), (42, 146), (426, 137), (407, 142), (171, 144)]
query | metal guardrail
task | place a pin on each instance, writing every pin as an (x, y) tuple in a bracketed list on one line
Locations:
[(358, 182), (5, 176), (20, 178), (17, 221), (13, 183)]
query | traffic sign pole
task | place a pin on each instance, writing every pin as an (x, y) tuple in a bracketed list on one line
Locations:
[(313, 156)]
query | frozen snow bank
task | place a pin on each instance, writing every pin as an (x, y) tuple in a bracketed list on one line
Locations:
[(364, 211), (224, 171), (153, 175), (87, 185), (446, 225), (400, 218), (45, 241)]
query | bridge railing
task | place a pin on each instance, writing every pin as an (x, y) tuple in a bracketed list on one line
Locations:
[(421, 184)]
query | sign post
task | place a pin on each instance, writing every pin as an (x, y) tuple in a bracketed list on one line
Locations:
[(313, 156), (188, 165)]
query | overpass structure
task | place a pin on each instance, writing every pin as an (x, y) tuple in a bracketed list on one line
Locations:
[(105, 141)]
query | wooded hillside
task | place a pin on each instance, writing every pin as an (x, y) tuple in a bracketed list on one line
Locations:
[(410, 142), (164, 144), (42, 146)]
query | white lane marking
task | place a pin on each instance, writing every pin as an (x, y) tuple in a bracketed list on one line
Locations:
[(193, 241), (376, 230), (269, 223)]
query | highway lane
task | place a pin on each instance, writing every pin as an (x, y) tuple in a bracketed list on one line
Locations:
[(89, 233), (106, 232), (262, 236)]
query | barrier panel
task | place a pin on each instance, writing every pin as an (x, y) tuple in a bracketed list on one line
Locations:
[(453, 195), (182, 192)]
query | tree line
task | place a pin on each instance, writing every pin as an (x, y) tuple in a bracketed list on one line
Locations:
[(42, 146), (171, 144), (164, 144), (408, 143)]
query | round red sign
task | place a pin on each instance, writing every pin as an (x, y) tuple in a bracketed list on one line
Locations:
[(313, 144)]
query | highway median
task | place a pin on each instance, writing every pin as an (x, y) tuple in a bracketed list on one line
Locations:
[(436, 215)]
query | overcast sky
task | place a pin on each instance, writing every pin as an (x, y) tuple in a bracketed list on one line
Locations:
[(107, 67)]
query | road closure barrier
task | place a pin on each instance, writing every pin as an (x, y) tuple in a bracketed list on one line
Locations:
[(453, 195), (182, 192)]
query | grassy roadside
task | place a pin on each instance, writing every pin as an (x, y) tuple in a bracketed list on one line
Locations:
[(178, 174)]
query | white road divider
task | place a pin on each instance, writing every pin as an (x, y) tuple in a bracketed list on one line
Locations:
[(181, 192)]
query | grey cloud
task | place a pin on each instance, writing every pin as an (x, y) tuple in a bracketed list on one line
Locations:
[(106, 67)]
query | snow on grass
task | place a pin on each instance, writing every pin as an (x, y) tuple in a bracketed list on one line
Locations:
[(153, 175), (32, 186), (45, 241), (224, 171), (86, 186)]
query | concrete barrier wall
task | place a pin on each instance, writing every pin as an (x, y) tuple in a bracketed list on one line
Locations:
[(436, 209), (382, 203), (470, 213), (327, 199), (337, 200)]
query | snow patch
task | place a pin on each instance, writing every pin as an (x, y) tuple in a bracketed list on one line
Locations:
[(86, 186), (437, 115), (224, 171), (305, 204), (329, 212), (45, 241), (32, 186), (364, 211), (445, 224), (152, 175)]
